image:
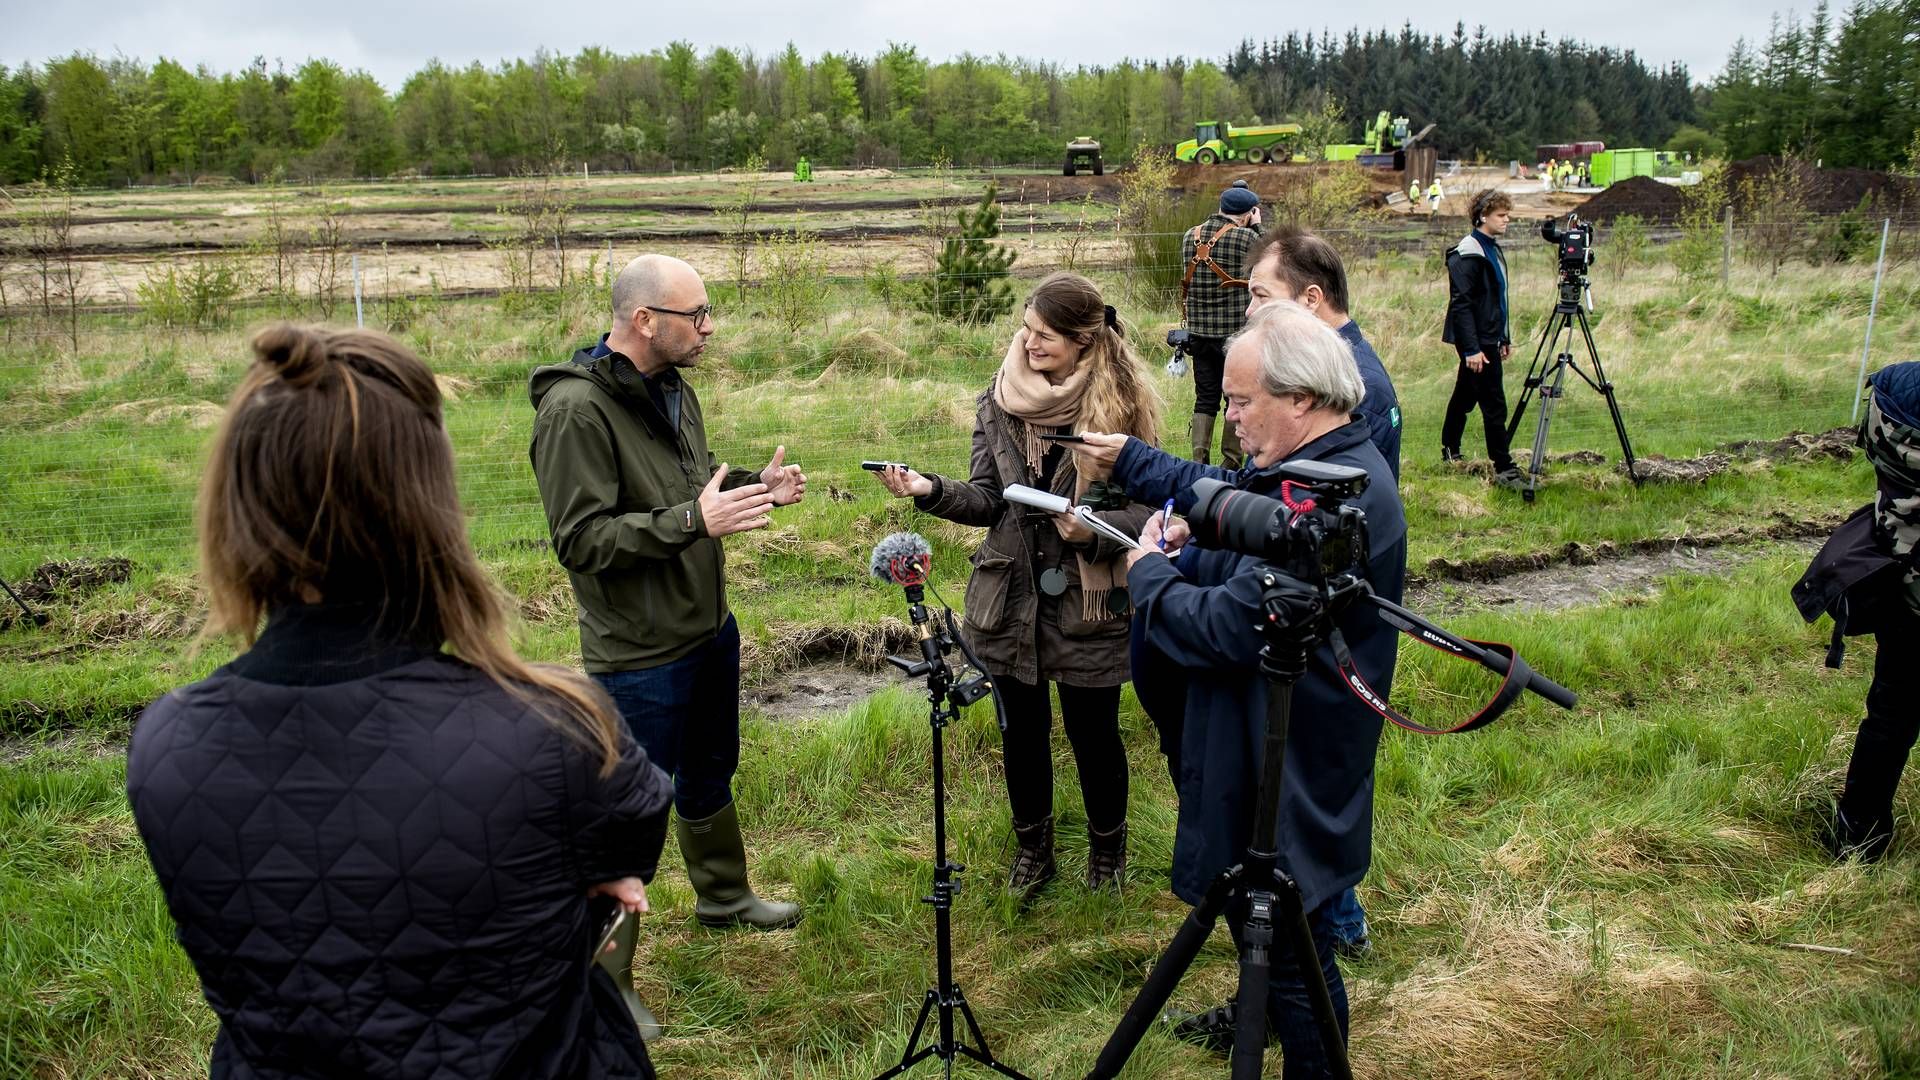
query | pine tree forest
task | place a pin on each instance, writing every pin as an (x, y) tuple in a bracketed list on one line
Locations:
[(1842, 87)]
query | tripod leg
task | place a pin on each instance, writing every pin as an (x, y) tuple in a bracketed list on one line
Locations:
[(1533, 379), (1164, 977), (1307, 953), (34, 617), (978, 1051), (910, 1057), (1613, 403), (1250, 1008)]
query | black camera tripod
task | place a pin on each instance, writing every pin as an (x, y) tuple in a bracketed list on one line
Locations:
[(1268, 896), (946, 698), (1550, 381), (1299, 617)]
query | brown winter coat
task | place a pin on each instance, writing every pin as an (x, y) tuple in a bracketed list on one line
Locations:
[(1016, 629)]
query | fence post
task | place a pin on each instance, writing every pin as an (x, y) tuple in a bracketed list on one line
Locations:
[(359, 319), (1726, 249), (1872, 307)]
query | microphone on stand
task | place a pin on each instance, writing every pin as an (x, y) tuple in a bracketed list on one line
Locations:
[(905, 559)]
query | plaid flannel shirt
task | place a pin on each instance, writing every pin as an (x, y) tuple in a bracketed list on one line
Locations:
[(1213, 310)]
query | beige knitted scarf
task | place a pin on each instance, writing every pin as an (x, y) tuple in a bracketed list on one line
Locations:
[(1042, 406)]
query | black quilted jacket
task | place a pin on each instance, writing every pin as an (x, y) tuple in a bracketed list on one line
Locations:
[(378, 860)]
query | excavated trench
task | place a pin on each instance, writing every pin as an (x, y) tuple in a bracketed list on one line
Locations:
[(801, 671)]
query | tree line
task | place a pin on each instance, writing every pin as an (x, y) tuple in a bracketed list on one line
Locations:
[(1843, 92), (119, 120)]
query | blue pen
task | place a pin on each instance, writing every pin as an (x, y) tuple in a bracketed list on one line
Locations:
[(1166, 519)]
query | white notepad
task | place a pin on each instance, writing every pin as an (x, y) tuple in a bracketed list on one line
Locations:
[(1058, 504)]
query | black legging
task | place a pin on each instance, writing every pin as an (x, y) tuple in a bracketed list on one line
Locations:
[(1483, 389), (1892, 722), (1091, 715), (1209, 356)]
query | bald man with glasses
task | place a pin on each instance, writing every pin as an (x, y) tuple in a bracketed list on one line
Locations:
[(636, 507)]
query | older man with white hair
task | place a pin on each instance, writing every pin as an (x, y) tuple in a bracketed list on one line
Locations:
[(1291, 390)]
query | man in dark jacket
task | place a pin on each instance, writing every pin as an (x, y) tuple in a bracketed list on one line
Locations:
[(1477, 326), (637, 506), (1291, 387), (1292, 264), (1214, 299)]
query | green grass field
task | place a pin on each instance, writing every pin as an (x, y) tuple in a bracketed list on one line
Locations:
[(1630, 889)]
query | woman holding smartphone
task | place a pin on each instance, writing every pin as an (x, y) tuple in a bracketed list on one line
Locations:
[(1046, 602)]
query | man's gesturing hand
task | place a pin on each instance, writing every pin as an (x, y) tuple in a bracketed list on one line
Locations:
[(737, 510), (786, 483)]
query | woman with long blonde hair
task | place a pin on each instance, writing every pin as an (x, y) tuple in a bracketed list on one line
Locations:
[(1047, 602), (389, 843)]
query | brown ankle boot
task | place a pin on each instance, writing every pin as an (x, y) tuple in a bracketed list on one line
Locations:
[(1033, 864), (1106, 857)]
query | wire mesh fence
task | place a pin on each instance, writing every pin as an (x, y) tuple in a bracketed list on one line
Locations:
[(109, 407)]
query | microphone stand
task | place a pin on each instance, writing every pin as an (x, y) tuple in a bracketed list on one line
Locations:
[(946, 698)]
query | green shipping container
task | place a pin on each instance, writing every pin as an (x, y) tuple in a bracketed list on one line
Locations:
[(1600, 169)]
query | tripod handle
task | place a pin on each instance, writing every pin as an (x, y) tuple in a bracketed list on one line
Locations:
[(1552, 691)]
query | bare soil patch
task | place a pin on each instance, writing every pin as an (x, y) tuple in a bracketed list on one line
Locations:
[(811, 691)]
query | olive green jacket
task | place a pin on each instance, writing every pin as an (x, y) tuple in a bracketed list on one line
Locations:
[(621, 487)]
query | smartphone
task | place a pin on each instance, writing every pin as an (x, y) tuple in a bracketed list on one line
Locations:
[(613, 926), (1056, 437), (883, 466)]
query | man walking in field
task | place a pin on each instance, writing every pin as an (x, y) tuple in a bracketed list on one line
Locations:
[(637, 505)]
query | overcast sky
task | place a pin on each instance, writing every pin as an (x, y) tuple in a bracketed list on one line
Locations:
[(391, 40)]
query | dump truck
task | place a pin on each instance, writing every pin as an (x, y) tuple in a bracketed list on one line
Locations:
[(1215, 141), (1083, 153)]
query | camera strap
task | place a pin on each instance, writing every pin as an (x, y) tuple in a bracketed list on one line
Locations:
[(1514, 682)]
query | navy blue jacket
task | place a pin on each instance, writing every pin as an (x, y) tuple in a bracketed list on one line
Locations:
[(1201, 611), (1477, 318), (1382, 404), (378, 859)]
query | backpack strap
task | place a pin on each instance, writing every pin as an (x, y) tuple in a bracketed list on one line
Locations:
[(1203, 254)]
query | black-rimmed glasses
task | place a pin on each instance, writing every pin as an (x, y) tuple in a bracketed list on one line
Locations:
[(696, 316)]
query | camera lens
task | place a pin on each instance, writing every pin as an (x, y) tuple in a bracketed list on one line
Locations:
[(1227, 517)]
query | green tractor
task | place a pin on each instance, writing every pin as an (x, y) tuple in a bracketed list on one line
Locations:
[(1083, 153), (1215, 141)]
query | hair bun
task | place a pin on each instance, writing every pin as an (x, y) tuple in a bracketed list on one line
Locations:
[(296, 353)]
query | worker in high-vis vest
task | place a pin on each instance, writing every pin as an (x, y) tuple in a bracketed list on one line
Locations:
[(1413, 193), (1433, 197)]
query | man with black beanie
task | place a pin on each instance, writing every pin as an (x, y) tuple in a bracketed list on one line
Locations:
[(1477, 328), (1213, 296)]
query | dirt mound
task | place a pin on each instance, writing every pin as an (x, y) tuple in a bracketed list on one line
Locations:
[(1642, 197), (1828, 191), (1272, 182), (74, 578)]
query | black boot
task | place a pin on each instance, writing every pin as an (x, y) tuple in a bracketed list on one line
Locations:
[(1033, 864), (1106, 857)]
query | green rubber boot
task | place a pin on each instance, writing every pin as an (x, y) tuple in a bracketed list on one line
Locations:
[(619, 964), (717, 866)]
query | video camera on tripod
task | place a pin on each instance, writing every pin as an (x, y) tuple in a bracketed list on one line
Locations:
[(1547, 377), (1575, 243)]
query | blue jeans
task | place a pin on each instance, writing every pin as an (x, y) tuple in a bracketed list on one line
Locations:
[(1289, 1015), (686, 715), (1348, 922)]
